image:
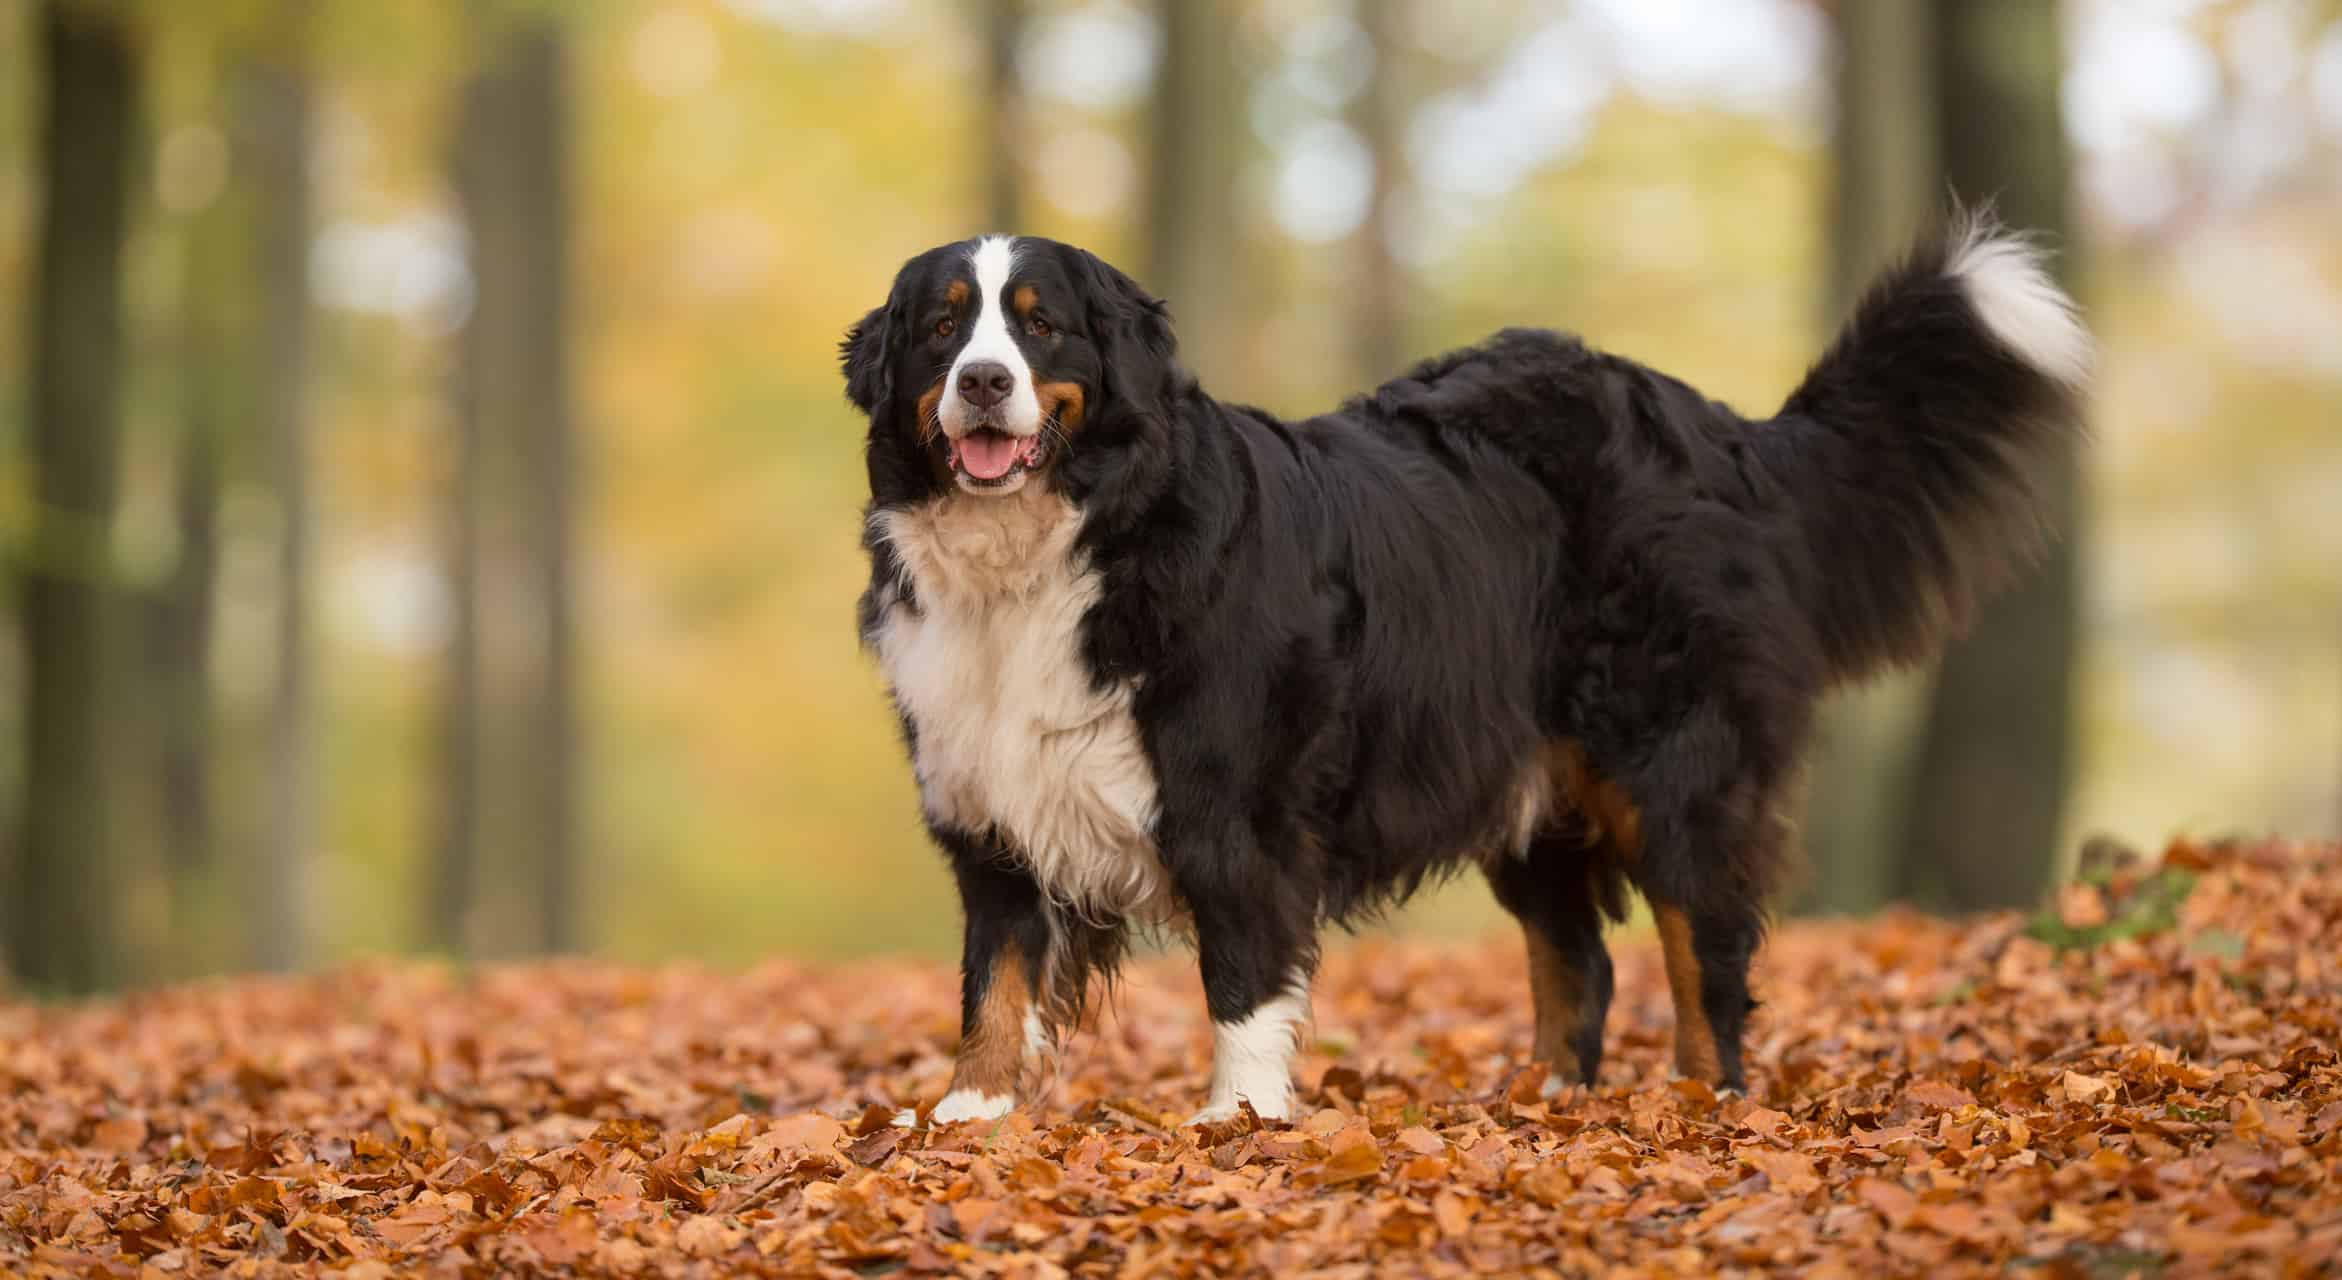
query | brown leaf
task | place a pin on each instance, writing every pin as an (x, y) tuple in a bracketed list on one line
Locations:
[(1788, 1171), (807, 1130), (1892, 1201), (1424, 1169), (1453, 1213), (1421, 1141), (708, 1237), (874, 1148), (2081, 906), (1548, 1184), (2085, 1088), (121, 1134), (1344, 1082), (1939, 1096), (971, 1215), (1351, 1163)]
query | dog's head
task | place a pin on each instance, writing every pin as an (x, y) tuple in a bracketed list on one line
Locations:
[(992, 358)]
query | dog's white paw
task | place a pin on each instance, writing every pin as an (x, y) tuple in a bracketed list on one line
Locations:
[(970, 1104), (1217, 1113), (1222, 1110)]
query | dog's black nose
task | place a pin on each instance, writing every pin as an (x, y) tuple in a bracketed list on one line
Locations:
[(985, 383)]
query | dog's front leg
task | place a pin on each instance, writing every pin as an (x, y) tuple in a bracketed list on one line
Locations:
[(1257, 945), (1005, 966)]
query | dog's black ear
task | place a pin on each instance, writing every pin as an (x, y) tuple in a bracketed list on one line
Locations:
[(1133, 329), (867, 355)]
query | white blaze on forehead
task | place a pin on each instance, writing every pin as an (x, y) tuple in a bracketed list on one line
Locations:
[(994, 261)]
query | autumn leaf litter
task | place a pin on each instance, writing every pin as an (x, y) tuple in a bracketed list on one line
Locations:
[(2143, 1080)]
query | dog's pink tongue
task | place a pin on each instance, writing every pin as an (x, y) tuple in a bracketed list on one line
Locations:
[(987, 455)]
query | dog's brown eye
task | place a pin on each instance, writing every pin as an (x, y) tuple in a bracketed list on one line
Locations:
[(1041, 327), (945, 326)]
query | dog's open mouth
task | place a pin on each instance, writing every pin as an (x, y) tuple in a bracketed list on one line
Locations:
[(986, 458)]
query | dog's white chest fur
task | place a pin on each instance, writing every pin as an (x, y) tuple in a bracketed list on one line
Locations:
[(1010, 732)]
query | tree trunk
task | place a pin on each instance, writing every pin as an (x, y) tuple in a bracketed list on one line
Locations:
[(1194, 241), (513, 696), (1004, 149), (63, 937), (544, 122), (456, 859), (1381, 318), (277, 115), (1885, 149), (1994, 759), (179, 621), (1887, 189)]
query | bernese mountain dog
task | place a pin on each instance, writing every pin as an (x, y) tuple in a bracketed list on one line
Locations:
[(1529, 607)]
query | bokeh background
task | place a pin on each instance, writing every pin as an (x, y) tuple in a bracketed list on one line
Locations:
[(431, 512)]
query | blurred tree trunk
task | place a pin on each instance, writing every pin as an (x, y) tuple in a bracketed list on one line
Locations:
[(544, 126), (1887, 188), (1004, 119), (1195, 157), (456, 858), (179, 618), (275, 103), (512, 713), (1381, 117), (197, 743), (1994, 760), (62, 936)]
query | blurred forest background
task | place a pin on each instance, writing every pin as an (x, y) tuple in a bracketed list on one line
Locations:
[(430, 510)]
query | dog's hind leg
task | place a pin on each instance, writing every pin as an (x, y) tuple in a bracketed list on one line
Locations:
[(1711, 846), (1550, 887), (1708, 904), (1707, 951)]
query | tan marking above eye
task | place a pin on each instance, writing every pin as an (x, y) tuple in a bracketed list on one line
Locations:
[(957, 294), (1025, 299)]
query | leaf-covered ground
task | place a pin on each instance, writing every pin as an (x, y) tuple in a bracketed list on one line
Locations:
[(2143, 1081)]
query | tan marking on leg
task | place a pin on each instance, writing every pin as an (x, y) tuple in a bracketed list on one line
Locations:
[(992, 1052), (1695, 1040), (1061, 401), (1559, 992)]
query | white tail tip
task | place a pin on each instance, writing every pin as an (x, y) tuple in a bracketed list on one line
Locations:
[(2020, 304)]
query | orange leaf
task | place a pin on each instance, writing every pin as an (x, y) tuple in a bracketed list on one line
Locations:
[(1351, 1163)]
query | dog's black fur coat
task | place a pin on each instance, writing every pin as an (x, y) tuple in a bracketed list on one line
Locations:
[(1352, 637)]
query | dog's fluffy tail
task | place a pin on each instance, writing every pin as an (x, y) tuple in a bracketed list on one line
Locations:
[(1914, 450)]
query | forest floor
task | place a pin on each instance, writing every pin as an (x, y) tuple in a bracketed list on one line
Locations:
[(2143, 1080)]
